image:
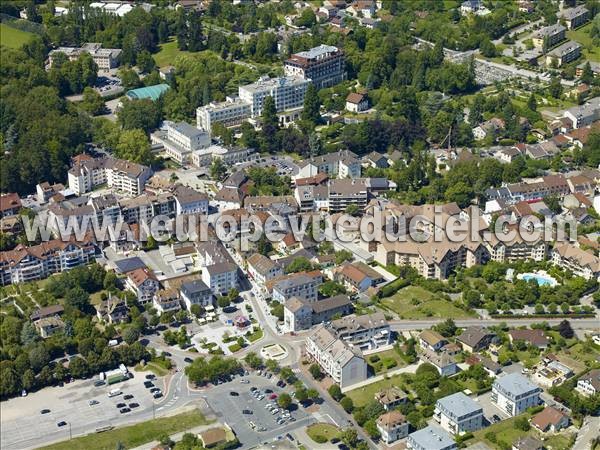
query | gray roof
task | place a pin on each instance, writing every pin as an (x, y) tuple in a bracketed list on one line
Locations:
[(186, 129), (549, 31), (458, 405), (194, 287), (129, 264), (330, 303), (571, 13), (221, 268), (317, 51), (432, 438), (565, 48), (514, 385)]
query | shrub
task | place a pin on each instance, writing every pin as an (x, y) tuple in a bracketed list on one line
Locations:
[(319, 439), (389, 363), (373, 359), (234, 347)]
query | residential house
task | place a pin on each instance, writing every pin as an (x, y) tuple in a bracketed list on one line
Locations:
[(550, 420), (390, 398), (301, 315), (474, 339), (551, 371), (432, 340), (47, 311), (190, 201), (580, 262), (458, 414), (584, 115), (10, 204), (303, 285), (589, 384), (491, 367), (341, 164), (166, 300), (366, 332), (261, 268), (221, 277), (392, 426), (48, 326), (356, 102), (358, 276), (514, 393), (443, 362), (196, 292), (113, 310), (344, 364), (143, 283), (536, 338), (377, 160), (431, 438)]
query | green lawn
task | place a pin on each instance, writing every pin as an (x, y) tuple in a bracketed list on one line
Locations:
[(414, 302), (11, 37), (134, 435), (153, 367), (322, 432), (168, 53), (361, 396), (255, 336), (387, 357), (582, 36), (505, 432)]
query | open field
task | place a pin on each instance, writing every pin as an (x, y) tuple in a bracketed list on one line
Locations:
[(167, 54), (134, 435), (388, 360), (12, 37), (582, 36), (322, 432), (414, 302)]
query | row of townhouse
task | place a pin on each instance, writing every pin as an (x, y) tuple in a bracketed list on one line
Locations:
[(36, 262), (576, 260), (123, 176), (340, 164)]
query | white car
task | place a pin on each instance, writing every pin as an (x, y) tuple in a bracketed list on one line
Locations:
[(275, 411)]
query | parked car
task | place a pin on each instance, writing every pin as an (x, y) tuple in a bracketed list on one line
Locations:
[(154, 389), (133, 405), (188, 360), (272, 396), (93, 402), (121, 405), (99, 383), (44, 411), (246, 411), (150, 376), (62, 423), (128, 397), (124, 410), (234, 394), (148, 384), (157, 395), (244, 381), (268, 391)]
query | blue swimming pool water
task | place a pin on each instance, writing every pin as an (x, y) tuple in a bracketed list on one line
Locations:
[(541, 281)]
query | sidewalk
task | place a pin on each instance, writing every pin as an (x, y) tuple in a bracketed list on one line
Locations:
[(177, 436)]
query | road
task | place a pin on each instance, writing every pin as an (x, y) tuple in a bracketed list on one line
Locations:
[(576, 324)]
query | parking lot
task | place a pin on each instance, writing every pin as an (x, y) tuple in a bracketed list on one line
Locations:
[(230, 409), (23, 421)]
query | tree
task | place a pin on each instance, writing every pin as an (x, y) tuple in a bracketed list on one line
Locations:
[(181, 316), (139, 114), (197, 310), (565, 330), (306, 19), (487, 48), (284, 400), (532, 102), (145, 62), (134, 146), (78, 299), (587, 75), (347, 404), (93, 103), (129, 78), (130, 335), (370, 427), (223, 301), (349, 436), (313, 394), (335, 392), (312, 105), (253, 360), (301, 394), (352, 209), (521, 423), (315, 371), (553, 203), (217, 169), (555, 89), (78, 367), (446, 328), (272, 365), (29, 334), (270, 125)]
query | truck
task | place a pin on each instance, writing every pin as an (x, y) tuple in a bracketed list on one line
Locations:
[(114, 393), (116, 378)]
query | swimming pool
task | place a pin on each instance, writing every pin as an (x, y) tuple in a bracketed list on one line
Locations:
[(541, 279)]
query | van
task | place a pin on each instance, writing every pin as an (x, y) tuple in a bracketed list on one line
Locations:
[(114, 393)]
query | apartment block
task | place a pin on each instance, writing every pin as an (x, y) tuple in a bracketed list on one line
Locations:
[(23, 264), (580, 262), (563, 54), (324, 66), (458, 414), (584, 115), (304, 285), (221, 277), (345, 365), (575, 17), (287, 93), (552, 34), (392, 426), (366, 332), (228, 155), (262, 268), (233, 111), (341, 164), (301, 315), (431, 438), (514, 393), (143, 283), (125, 177)]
